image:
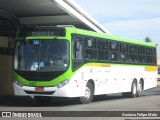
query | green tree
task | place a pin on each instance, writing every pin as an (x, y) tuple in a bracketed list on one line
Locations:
[(148, 39)]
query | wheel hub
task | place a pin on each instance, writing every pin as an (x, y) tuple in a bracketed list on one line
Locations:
[(87, 93), (134, 89)]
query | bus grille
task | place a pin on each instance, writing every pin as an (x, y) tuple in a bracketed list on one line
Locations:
[(42, 93)]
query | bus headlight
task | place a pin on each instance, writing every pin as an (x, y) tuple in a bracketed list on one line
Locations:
[(63, 83), (18, 83)]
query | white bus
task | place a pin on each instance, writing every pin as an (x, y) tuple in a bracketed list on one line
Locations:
[(68, 62)]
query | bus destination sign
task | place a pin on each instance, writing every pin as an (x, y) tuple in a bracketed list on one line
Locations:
[(42, 33)]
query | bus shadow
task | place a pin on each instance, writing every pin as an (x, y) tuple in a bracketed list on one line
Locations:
[(152, 91), (16, 101), (107, 97)]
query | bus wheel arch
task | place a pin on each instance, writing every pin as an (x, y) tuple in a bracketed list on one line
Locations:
[(140, 87), (89, 93), (133, 92), (92, 82)]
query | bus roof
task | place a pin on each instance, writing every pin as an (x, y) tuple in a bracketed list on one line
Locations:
[(110, 37)]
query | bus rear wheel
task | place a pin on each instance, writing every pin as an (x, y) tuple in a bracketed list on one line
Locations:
[(140, 89), (89, 92)]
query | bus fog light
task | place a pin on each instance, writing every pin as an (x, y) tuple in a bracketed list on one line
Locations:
[(63, 83), (18, 83)]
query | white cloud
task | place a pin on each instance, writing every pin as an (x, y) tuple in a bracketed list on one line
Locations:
[(138, 28), (119, 9)]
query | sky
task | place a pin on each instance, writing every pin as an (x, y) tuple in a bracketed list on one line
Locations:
[(136, 19)]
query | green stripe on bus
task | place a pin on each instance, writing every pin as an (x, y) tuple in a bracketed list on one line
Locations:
[(110, 37)]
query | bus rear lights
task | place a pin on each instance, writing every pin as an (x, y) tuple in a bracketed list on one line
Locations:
[(39, 89), (63, 83)]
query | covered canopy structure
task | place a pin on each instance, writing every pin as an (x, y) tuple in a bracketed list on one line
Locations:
[(44, 12)]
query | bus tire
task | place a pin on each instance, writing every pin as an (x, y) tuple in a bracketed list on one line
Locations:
[(133, 92), (139, 88), (44, 100), (89, 92)]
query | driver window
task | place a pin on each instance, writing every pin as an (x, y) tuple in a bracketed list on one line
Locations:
[(78, 47), (78, 50)]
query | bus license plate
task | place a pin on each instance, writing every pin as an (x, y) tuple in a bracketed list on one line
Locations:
[(39, 89)]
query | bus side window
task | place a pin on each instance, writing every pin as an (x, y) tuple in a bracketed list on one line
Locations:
[(154, 56), (115, 52), (77, 42), (141, 54), (133, 53), (149, 56), (78, 50), (90, 48), (103, 50), (124, 53)]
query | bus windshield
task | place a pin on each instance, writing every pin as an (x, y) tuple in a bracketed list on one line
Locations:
[(41, 55)]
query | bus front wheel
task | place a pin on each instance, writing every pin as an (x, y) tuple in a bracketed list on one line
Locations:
[(133, 92), (89, 92)]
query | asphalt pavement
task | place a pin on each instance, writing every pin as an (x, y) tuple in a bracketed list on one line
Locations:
[(148, 102)]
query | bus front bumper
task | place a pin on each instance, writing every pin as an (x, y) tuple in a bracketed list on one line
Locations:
[(66, 91)]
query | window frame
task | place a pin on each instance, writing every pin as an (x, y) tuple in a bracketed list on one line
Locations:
[(92, 49), (125, 52), (115, 51), (103, 51), (141, 54), (76, 62), (133, 53)]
